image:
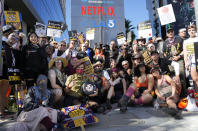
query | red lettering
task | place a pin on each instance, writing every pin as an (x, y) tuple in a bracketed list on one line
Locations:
[(99, 10), (103, 11), (88, 10), (94, 8), (112, 13), (83, 10), (107, 10)]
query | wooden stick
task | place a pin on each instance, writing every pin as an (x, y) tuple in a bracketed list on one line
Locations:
[(82, 128)]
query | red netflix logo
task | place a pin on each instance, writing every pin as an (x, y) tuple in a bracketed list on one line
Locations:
[(94, 10)]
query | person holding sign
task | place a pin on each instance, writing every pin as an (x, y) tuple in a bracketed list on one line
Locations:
[(189, 54)]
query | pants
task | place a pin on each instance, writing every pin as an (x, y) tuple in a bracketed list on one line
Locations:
[(3, 90)]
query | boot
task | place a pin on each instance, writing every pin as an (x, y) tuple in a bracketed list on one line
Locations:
[(123, 103), (108, 104)]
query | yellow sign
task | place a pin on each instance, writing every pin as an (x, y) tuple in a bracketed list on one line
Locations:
[(190, 49), (12, 18), (89, 70)]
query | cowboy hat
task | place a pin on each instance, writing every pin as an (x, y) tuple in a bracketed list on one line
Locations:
[(52, 61)]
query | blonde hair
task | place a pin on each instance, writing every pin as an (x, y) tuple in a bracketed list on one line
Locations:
[(192, 26)]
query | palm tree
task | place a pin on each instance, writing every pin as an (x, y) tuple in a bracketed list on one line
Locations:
[(129, 28)]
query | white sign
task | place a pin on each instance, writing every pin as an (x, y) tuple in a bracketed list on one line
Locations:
[(145, 29), (121, 38), (54, 29), (166, 14), (40, 29), (90, 34)]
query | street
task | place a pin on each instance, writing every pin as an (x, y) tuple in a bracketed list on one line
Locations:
[(138, 119)]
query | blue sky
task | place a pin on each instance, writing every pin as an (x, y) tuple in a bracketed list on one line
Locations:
[(135, 10)]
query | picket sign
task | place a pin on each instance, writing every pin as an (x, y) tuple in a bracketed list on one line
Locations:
[(166, 14)]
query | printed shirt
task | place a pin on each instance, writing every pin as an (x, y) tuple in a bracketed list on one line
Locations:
[(79, 81)]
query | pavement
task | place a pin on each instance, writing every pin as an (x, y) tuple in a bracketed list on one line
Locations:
[(136, 118)]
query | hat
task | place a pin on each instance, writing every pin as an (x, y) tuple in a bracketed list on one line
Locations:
[(52, 61), (114, 70), (141, 39), (158, 39), (155, 68), (98, 47), (149, 46), (43, 36), (169, 29), (7, 28), (182, 29), (97, 63), (136, 56), (154, 52)]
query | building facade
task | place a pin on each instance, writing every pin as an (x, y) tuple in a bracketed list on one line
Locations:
[(184, 14), (33, 11), (106, 16)]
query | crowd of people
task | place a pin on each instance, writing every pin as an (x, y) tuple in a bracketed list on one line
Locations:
[(142, 73)]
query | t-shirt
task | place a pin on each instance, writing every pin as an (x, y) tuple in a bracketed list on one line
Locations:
[(79, 81)]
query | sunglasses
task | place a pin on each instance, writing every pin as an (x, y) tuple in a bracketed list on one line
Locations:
[(58, 61), (124, 64), (63, 45)]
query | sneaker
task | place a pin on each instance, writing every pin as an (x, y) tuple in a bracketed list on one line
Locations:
[(101, 109)]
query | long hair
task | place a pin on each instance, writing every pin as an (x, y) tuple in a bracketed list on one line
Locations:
[(137, 72), (29, 34)]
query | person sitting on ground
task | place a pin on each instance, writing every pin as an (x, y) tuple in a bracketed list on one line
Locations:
[(36, 109), (165, 89), (126, 73), (117, 89), (57, 79), (140, 90), (73, 85)]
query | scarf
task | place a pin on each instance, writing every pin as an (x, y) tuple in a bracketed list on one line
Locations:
[(60, 76)]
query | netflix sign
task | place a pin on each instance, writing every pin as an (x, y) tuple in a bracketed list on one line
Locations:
[(100, 11)]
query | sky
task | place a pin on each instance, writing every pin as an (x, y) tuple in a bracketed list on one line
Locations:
[(136, 12)]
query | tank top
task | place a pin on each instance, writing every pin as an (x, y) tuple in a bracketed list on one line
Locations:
[(144, 84), (164, 87)]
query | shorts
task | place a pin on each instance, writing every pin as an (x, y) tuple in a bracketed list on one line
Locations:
[(159, 101)]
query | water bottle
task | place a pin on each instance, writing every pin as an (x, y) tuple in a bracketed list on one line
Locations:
[(156, 106)]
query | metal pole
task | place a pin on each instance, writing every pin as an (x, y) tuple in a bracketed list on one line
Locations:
[(196, 11), (1, 25)]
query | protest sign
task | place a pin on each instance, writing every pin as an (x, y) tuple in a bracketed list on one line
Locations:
[(129, 34), (121, 38), (166, 14), (40, 29), (196, 54), (12, 18), (54, 29), (81, 37), (89, 70), (145, 29), (90, 34), (78, 116)]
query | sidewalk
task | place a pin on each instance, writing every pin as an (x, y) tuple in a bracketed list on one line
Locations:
[(136, 118)]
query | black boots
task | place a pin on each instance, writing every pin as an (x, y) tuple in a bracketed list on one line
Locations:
[(108, 104), (123, 103)]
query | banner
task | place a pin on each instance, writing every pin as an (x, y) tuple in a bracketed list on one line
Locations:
[(145, 29), (89, 70), (81, 37), (77, 116), (166, 14), (90, 34), (40, 29), (121, 38), (12, 18), (54, 29)]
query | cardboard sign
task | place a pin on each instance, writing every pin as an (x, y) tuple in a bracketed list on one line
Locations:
[(12, 18), (129, 37), (121, 38), (77, 116), (81, 37), (196, 54), (89, 70), (40, 29), (90, 34), (54, 29), (14, 76), (145, 29), (166, 14)]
